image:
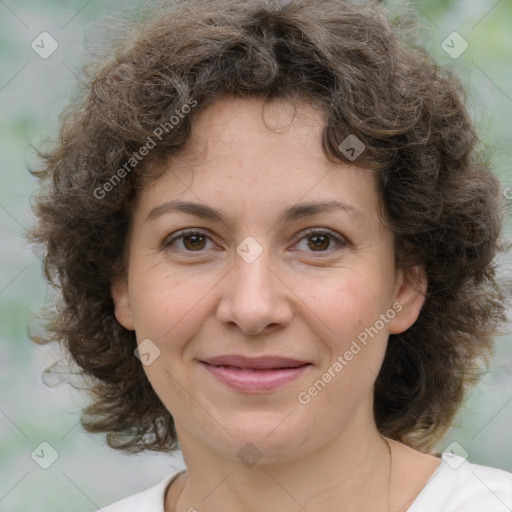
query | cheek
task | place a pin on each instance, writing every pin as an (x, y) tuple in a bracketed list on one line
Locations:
[(348, 304), (170, 305), (356, 344)]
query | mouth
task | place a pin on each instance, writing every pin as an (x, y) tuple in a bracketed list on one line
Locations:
[(255, 375), (255, 363), (259, 369)]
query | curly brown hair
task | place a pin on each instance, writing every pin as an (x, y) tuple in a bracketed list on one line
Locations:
[(371, 80)]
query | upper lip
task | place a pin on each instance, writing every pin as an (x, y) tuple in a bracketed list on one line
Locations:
[(256, 363)]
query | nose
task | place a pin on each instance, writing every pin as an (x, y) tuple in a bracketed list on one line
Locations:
[(255, 297)]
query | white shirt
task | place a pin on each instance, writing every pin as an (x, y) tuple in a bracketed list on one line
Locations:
[(456, 486)]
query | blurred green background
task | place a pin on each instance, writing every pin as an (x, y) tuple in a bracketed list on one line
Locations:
[(33, 91)]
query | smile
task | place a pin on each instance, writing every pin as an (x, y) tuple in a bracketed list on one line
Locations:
[(251, 380)]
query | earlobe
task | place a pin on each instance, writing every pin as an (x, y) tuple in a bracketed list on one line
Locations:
[(122, 306), (410, 298)]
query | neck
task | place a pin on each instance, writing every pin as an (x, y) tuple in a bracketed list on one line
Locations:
[(350, 472)]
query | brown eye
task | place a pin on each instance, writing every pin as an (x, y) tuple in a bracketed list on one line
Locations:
[(194, 242), (191, 241), (320, 240)]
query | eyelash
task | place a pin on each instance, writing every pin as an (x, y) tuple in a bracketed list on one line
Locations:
[(340, 241)]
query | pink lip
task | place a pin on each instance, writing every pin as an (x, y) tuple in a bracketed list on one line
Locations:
[(269, 362), (250, 380)]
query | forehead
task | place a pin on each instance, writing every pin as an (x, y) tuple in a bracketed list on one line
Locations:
[(295, 116), (256, 153)]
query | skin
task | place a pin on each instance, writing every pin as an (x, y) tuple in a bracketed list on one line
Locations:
[(199, 299)]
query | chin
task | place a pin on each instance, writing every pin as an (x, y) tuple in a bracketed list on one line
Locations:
[(268, 439)]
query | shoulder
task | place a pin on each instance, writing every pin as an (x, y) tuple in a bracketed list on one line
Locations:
[(460, 486), (149, 500)]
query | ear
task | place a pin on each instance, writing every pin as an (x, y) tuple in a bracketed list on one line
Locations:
[(122, 306), (409, 299)]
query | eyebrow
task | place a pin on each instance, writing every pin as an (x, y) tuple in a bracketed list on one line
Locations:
[(292, 213)]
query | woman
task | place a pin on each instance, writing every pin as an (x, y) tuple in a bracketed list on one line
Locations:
[(276, 246)]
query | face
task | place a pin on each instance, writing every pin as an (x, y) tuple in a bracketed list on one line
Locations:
[(252, 271)]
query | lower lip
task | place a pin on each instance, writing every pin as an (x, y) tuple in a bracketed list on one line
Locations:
[(255, 381)]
